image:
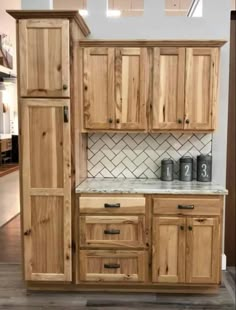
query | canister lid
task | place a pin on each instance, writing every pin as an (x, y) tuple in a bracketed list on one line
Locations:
[(204, 157), (166, 161), (186, 159)]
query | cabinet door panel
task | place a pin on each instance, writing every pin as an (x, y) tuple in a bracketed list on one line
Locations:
[(168, 250), (203, 241), (168, 88), (131, 87), (99, 88), (46, 189), (201, 88), (44, 58)]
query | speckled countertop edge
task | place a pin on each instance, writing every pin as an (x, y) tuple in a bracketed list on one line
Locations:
[(147, 186)]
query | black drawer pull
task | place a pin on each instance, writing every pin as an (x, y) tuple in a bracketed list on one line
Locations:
[(111, 231), (111, 205), (66, 114), (112, 266), (186, 207)]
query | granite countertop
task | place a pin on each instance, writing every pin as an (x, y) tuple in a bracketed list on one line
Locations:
[(148, 186)]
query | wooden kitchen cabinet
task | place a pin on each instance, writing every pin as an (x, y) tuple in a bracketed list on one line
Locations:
[(113, 266), (115, 87), (46, 191), (203, 248), (46, 54), (201, 88), (186, 250), (131, 88), (167, 110), (98, 88), (168, 249), (44, 68), (185, 88)]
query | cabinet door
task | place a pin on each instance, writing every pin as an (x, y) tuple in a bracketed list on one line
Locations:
[(203, 250), (132, 78), (46, 189), (99, 88), (44, 58), (168, 88), (201, 88), (168, 263)]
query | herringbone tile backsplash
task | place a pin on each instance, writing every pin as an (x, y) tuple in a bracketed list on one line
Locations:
[(139, 155)]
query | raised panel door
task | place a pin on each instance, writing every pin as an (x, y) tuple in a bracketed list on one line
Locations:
[(203, 250), (132, 88), (44, 58), (201, 88), (168, 88), (98, 88), (168, 261), (46, 189)]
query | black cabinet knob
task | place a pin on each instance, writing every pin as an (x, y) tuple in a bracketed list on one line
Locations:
[(187, 121), (181, 227), (180, 121), (117, 121), (64, 87), (110, 120), (190, 228)]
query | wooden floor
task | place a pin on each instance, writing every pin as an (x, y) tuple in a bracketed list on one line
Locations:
[(13, 294), (8, 168), (10, 244)]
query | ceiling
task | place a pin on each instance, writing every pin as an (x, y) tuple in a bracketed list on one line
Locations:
[(131, 7)]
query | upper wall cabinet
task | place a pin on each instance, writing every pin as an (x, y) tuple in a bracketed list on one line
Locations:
[(185, 85), (44, 58), (168, 88), (116, 84), (201, 88), (131, 87), (150, 85), (98, 88)]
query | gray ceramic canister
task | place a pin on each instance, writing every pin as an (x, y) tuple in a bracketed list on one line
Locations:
[(167, 170), (186, 169), (204, 168)]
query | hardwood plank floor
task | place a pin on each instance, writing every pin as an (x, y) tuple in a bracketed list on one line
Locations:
[(10, 243), (13, 295)]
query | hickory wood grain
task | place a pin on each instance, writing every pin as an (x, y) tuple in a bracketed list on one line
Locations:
[(46, 192), (44, 58), (128, 231)]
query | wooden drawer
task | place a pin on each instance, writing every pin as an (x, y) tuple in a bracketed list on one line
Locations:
[(112, 231), (112, 205), (6, 145), (113, 266), (192, 205)]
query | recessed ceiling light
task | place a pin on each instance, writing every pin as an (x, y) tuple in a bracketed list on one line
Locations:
[(113, 13), (83, 13)]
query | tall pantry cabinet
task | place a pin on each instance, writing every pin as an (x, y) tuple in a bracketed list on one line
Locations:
[(47, 54)]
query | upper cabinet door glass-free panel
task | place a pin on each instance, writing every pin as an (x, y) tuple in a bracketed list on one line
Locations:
[(46, 189), (98, 88), (132, 76), (201, 88), (44, 58), (168, 88)]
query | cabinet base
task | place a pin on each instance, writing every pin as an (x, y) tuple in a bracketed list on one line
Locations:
[(152, 288)]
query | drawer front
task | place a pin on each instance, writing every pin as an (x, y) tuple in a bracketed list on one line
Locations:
[(110, 231), (6, 145), (112, 205), (188, 206), (113, 266)]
